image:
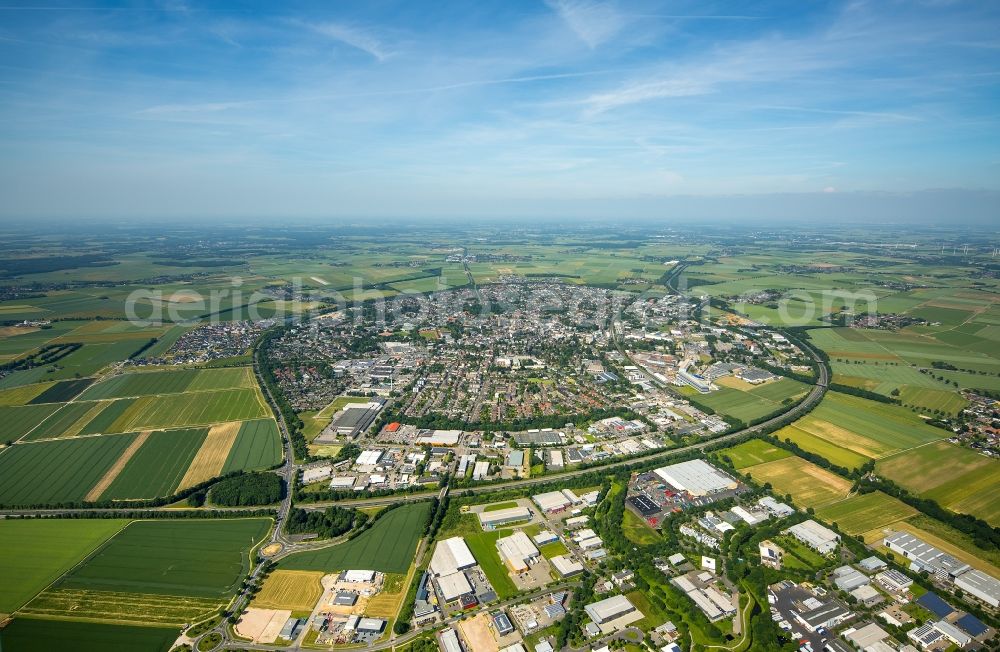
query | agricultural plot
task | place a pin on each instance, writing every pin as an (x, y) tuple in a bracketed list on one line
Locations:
[(62, 391), (808, 484), (198, 409), (754, 451), (197, 558), (16, 341), (867, 428), (104, 421), (170, 382), (810, 442), (871, 511), (121, 607), (211, 455), (388, 546), (23, 394), (157, 467), (955, 477), (933, 399), (85, 361), (37, 551), (19, 420), (68, 419), (37, 635), (56, 471), (753, 402), (257, 446), (292, 590)]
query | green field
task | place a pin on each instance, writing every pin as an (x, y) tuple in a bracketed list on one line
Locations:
[(200, 558), (257, 446), (62, 420), (388, 546), (637, 530), (158, 466), (810, 442), (338, 404), (950, 403), (754, 451), (957, 478), (37, 552), (62, 391), (38, 635), (753, 402), (23, 394), (56, 471), (859, 514), (198, 409), (20, 419), (483, 546), (170, 382)]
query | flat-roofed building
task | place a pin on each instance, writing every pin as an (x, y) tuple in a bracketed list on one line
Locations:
[(451, 556), (343, 482), (867, 636), (358, 576), (439, 438), (566, 566), (552, 501), (496, 518), (481, 471), (848, 578), (894, 581), (316, 473), (867, 595), (925, 556), (609, 608), (517, 551), (449, 641), (696, 477), (501, 623), (453, 586), (977, 583), (575, 522), (821, 539), (771, 554), (368, 458), (544, 537)]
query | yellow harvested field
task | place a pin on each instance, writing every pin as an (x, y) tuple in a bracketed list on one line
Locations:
[(113, 472), (808, 484), (212, 455), (290, 589), (386, 603), (734, 383)]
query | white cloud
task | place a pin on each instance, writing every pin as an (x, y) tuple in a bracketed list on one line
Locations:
[(593, 22), (356, 37)]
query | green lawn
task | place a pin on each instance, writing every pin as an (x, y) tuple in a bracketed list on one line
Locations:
[(38, 551), (637, 530)]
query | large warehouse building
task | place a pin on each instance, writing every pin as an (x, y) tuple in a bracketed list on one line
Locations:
[(552, 501), (613, 613), (451, 556), (517, 551), (696, 477), (821, 539), (983, 586), (499, 517), (925, 556)]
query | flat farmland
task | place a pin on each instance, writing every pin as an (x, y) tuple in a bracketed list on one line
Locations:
[(859, 514), (37, 551), (157, 467), (42, 635), (257, 446), (201, 408), (121, 607), (754, 451), (867, 427), (170, 382), (288, 589), (198, 558), (388, 546), (808, 484), (748, 402), (810, 442), (62, 391), (19, 420), (23, 394), (933, 399), (957, 478), (56, 471), (62, 420)]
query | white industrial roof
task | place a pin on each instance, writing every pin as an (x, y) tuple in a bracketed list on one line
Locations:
[(440, 438), (342, 482), (369, 458), (551, 500), (696, 477), (454, 585), (451, 556), (815, 535), (449, 641), (566, 566), (500, 515), (359, 575), (516, 549), (609, 608)]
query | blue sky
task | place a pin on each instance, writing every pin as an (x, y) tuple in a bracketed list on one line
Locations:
[(490, 109)]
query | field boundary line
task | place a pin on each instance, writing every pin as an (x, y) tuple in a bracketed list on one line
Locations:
[(116, 468), (212, 454), (75, 566)]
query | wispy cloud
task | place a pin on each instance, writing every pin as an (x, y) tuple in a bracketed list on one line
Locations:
[(593, 22), (356, 37)]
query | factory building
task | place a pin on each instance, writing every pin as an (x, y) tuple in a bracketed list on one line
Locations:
[(696, 477)]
